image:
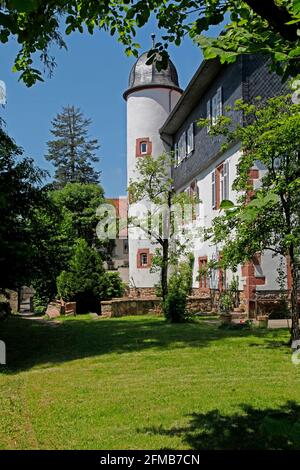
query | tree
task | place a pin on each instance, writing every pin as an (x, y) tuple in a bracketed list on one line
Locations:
[(249, 26), (81, 282), (72, 152), (164, 225), (77, 203), (268, 217), (20, 194), (69, 215), (85, 280)]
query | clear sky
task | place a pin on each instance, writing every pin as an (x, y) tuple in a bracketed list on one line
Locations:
[(92, 74)]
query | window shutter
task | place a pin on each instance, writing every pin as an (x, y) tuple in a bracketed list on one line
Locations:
[(226, 180), (214, 110), (208, 114), (182, 147), (176, 154), (213, 189), (219, 102), (190, 138)]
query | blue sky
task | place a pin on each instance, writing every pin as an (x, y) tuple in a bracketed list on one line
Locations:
[(92, 74)]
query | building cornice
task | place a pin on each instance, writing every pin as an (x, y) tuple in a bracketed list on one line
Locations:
[(144, 87), (196, 88)]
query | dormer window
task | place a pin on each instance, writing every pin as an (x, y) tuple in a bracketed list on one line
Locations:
[(143, 147)]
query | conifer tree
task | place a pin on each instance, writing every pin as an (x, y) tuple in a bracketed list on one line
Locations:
[(72, 151)]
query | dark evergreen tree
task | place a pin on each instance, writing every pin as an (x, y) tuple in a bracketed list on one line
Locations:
[(72, 151), (20, 195)]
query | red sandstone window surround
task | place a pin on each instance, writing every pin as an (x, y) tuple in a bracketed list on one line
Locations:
[(203, 278), (143, 147), (144, 258), (220, 184)]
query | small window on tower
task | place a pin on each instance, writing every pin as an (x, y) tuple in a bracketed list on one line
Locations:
[(144, 259), (143, 147)]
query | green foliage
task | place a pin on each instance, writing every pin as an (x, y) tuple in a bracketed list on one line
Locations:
[(266, 217), (112, 285), (164, 225), (20, 194), (179, 288), (82, 282), (269, 219), (39, 304), (70, 214), (77, 203), (250, 26), (226, 302), (85, 280), (71, 151)]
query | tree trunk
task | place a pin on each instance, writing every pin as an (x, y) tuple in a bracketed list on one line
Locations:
[(164, 269), (295, 331)]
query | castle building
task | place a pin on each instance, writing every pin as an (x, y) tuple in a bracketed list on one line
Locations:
[(162, 118)]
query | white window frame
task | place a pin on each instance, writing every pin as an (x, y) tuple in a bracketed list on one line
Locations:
[(182, 147), (225, 171), (208, 115), (143, 142), (214, 108)]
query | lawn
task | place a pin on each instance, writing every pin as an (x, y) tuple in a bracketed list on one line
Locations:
[(140, 383)]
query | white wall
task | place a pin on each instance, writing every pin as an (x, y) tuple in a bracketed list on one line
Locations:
[(147, 110)]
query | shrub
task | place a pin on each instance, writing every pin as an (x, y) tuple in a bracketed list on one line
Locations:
[(86, 281), (82, 282), (5, 309), (39, 305), (179, 287), (112, 285)]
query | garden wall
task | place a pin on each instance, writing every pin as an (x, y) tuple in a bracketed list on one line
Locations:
[(59, 307), (151, 305)]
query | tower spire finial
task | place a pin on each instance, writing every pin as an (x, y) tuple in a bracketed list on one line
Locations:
[(153, 39)]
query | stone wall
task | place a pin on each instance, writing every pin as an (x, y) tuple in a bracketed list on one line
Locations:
[(268, 302), (130, 306), (59, 307), (142, 292), (13, 300), (152, 305)]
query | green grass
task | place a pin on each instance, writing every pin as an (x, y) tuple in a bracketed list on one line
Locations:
[(137, 382)]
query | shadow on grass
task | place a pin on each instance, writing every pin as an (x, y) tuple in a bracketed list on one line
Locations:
[(250, 429), (31, 342)]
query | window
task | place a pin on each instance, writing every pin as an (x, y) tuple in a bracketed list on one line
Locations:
[(224, 181), (182, 148), (213, 189), (125, 247), (214, 108), (203, 277), (176, 154), (194, 194), (143, 147), (220, 184), (190, 139), (144, 259)]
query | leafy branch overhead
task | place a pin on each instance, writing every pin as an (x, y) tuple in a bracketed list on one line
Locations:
[(268, 26), (264, 215)]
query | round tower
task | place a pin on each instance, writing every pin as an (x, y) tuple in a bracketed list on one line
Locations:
[(150, 98)]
